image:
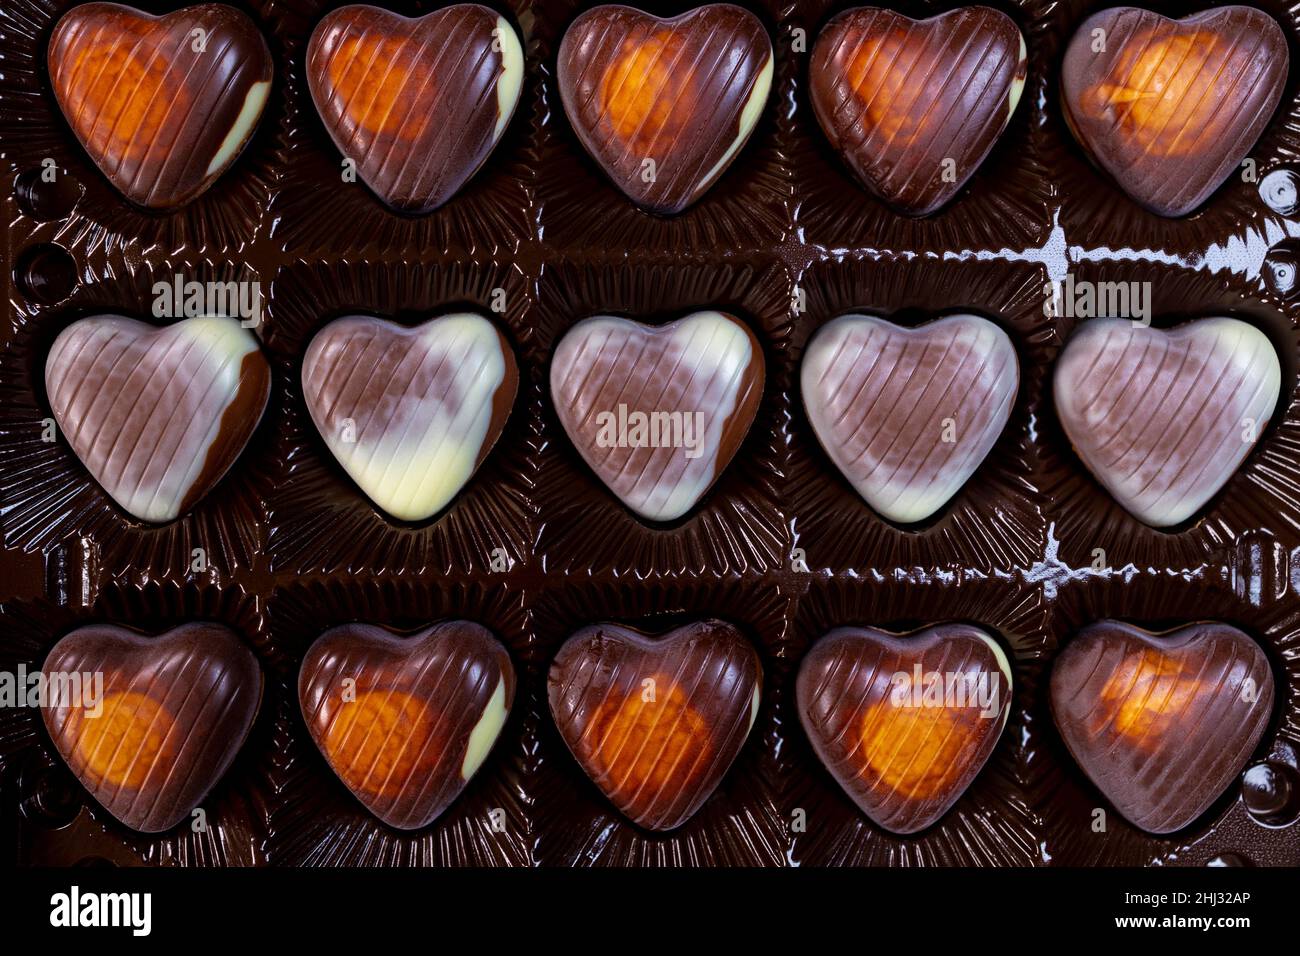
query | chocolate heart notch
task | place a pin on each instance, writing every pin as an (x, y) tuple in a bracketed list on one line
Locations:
[(410, 413), (418, 104), (656, 721), (1161, 723), (904, 723), (908, 414), (172, 712), (664, 106), (1163, 417), (163, 105), (658, 411), (915, 106), (1169, 108), (157, 415), (406, 721)]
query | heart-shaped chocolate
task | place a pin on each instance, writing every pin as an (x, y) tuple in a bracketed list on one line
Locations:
[(908, 414), (1171, 107), (656, 721), (904, 723), (406, 721), (157, 415), (163, 105), (150, 724), (1161, 723), (1163, 417), (664, 106), (410, 413), (417, 104), (914, 106), (658, 411)]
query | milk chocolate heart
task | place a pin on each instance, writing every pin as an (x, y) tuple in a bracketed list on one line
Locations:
[(406, 721), (1161, 723), (417, 104), (904, 723), (656, 721), (150, 724), (157, 415), (163, 105), (1171, 107), (908, 414), (1163, 417), (658, 411), (410, 413), (664, 106), (914, 106)]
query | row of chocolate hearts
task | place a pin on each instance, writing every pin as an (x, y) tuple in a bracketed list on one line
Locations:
[(1160, 723), (163, 105), (1163, 418)]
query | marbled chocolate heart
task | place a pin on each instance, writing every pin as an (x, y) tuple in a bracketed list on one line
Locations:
[(417, 104), (410, 413), (1161, 723), (664, 106), (904, 723), (172, 711), (908, 414), (405, 722), (914, 106), (157, 415), (163, 105), (1163, 417), (1170, 108), (658, 411), (656, 721)]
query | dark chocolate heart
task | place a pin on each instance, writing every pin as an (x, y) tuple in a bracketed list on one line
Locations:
[(406, 721), (173, 713), (163, 105), (1171, 107), (656, 721), (1161, 723), (914, 106)]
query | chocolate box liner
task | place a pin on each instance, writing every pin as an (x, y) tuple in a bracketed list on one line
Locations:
[(994, 823), (1065, 796), (314, 211), (995, 519), (47, 495), (1096, 213), (319, 519), (739, 525), (60, 824), (1261, 495), (224, 219), (1008, 202), (315, 820), (747, 208), (742, 822)]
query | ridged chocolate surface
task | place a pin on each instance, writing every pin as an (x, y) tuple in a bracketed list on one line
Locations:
[(157, 415), (908, 414), (1171, 107), (706, 369), (406, 721), (410, 412), (682, 93), (162, 110), (175, 711), (1161, 723), (1163, 417), (904, 723), (914, 106), (417, 104), (656, 721)]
